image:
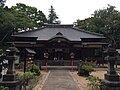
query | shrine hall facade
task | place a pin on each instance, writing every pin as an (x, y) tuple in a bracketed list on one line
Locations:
[(62, 43)]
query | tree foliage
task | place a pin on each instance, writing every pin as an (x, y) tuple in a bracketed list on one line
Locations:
[(27, 16), (22, 18), (52, 17), (18, 18), (7, 22), (105, 21)]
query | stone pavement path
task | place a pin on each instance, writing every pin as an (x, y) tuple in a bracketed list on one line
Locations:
[(60, 80)]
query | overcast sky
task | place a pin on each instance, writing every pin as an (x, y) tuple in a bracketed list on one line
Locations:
[(68, 10)]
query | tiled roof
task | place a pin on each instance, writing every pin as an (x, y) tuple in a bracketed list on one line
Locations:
[(68, 31), (30, 51)]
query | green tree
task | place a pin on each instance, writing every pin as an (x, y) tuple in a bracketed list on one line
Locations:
[(86, 24), (105, 21), (36, 18), (19, 17), (52, 17), (7, 23), (23, 22)]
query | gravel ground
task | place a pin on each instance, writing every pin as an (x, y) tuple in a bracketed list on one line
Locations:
[(41, 81), (82, 82)]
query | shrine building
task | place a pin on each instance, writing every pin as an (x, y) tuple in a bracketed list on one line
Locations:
[(62, 43)]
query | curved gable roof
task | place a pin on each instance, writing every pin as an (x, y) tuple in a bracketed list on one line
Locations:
[(71, 33)]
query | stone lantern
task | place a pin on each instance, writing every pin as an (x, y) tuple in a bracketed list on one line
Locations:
[(111, 78), (9, 78), (11, 57)]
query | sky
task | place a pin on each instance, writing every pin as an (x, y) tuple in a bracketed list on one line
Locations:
[(68, 11)]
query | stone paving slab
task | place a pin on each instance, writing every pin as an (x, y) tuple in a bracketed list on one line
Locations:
[(60, 80)]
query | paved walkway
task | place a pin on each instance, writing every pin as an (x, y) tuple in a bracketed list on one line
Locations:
[(60, 80)]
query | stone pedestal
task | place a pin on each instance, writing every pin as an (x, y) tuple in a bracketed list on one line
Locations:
[(111, 77), (111, 82), (9, 77), (12, 85), (111, 85)]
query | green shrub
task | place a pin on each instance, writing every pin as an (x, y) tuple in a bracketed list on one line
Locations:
[(4, 88), (87, 68), (94, 83), (19, 76), (28, 75), (35, 69)]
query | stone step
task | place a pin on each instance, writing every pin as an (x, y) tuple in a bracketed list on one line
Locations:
[(59, 67)]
